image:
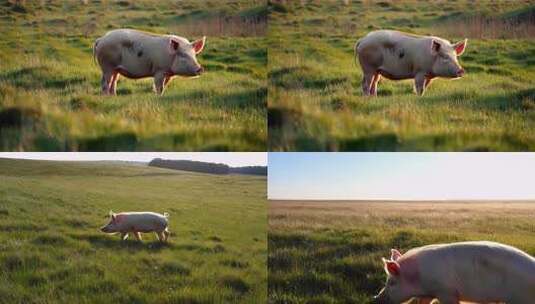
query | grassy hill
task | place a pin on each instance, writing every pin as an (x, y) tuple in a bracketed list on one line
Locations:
[(50, 87), (315, 98), (53, 252), (330, 252)]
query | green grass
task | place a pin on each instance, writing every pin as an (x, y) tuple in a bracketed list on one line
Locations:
[(330, 252), (51, 249), (50, 86), (315, 100)]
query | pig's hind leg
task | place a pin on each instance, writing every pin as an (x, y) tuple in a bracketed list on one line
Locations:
[(373, 86), (124, 236), (166, 234), (137, 234), (160, 236), (113, 84), (105, 82), (367, 81)]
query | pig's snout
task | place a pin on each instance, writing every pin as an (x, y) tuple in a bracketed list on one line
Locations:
[(199, 71), (460, 72)]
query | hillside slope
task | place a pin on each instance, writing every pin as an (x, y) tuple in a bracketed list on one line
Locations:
[(53, 251)]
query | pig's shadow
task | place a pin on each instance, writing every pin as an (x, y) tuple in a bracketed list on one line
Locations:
[(114, 242)]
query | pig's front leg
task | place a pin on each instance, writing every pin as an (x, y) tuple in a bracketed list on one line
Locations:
[(419, 84), (159, 80), (427, 82), (138, 236), (166, 234), (124, 236)]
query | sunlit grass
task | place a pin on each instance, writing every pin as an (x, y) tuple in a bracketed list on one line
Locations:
[(50, 86), (51, 249), (315, 99)]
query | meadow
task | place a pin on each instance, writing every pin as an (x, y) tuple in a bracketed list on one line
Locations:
[(50, 85), (330, 252), (315, 98), (51, 249)]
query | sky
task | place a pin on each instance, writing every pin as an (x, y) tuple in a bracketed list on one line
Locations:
[(401, 176), (234, 159)]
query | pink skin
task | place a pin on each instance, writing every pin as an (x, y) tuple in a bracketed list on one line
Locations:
[(376, 60), (451, 272), (403, 280), (182, 60), (121, 223)]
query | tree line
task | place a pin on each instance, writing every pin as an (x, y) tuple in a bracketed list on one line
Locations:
[(206, 167)]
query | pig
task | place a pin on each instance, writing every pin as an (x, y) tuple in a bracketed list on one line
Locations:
[(397, 55), (137, 222), (479, 272), (135, 54)]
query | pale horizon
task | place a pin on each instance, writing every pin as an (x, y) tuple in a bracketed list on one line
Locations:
[(401, 176), (233, 159)]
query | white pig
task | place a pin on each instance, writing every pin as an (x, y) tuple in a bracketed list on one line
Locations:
[(479, 272), (396, 55), (135, 54), (137, 222)]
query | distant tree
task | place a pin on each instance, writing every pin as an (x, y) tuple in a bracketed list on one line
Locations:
[(189, 165), (253, 170), (206, 167)]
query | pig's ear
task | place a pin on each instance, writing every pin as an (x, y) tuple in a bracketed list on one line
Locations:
[(460, 46), (198, 45), (173, 45), (435, 46), (394, 254), (391, 267), (112, 215)]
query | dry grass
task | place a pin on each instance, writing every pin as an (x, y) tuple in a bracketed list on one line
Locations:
[(481, 27), (416, 209)]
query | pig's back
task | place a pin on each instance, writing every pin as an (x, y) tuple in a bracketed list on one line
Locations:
[(482, 270), (143, 221), (138, 53)]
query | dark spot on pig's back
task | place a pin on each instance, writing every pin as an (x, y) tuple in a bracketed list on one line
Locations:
[(389, 45), (127, 44)]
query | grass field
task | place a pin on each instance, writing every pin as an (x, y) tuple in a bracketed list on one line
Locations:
[(50, 87), (315, 99), (330, 252), (51, 249)]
